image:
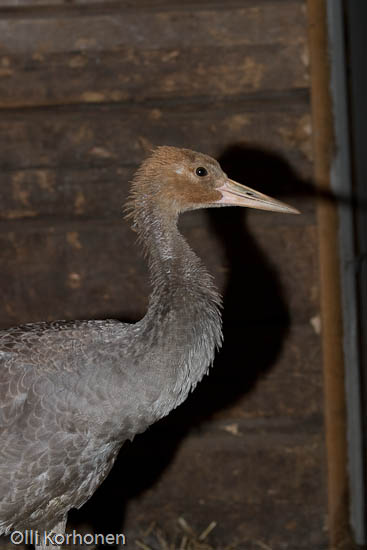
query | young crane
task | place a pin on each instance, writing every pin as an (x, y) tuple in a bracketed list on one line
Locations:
[(72, 392)]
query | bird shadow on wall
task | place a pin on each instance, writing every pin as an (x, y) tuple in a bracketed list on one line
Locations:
[(255, 323)]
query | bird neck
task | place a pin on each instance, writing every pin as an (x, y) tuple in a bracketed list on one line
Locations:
[(182, 326), (173, 265)]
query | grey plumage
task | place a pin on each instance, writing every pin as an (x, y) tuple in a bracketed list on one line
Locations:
[(72, 392)]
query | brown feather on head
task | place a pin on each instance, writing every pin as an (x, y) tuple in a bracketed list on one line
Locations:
[(179, 179), (175, 180)]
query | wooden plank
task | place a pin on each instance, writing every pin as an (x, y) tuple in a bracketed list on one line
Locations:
[(339, 512), (265, 25), (61, 194), (64, 194), (293, 254), (98, 6), (170, 23), (267, 274), (277, 375), (136, 55), (57, 79), (54, 267), (114, 134), (265, 375), (94, 270), (238, 481), (74, 170)]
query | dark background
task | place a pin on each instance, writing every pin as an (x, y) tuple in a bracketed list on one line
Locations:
[(86, 90)]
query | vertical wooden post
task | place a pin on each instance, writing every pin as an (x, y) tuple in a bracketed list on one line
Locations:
[(331, 309)]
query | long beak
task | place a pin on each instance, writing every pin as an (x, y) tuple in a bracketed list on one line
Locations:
[(235, 194)]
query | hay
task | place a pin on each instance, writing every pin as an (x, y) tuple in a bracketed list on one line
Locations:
[(153, 538)]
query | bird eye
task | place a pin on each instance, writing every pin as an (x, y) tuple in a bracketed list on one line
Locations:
[(201, 171)]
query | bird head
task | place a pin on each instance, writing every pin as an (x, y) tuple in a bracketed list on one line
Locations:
[(181, 179)]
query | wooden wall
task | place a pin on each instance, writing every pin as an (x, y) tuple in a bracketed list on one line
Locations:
[(86, 89)]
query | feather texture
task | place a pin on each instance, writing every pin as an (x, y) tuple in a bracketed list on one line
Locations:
[(72, 392)]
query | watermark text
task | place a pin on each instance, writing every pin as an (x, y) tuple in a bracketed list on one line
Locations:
[(57, 539)]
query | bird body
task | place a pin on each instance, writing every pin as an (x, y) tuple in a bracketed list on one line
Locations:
[(72, 392)]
